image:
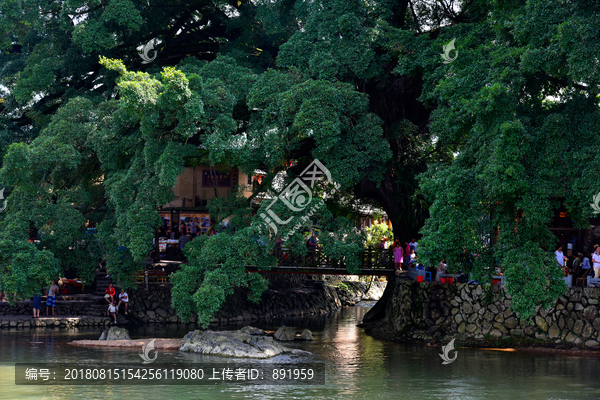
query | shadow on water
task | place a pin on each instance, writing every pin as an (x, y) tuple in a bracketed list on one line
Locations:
[(357, 366)]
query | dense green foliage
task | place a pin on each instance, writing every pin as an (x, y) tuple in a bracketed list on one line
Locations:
[(95, 135), (520, 105), (375, 232)]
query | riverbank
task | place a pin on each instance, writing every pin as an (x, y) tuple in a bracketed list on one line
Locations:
[(480, 316), (288, 295), (59, 321), (159, 344), (357, 366)]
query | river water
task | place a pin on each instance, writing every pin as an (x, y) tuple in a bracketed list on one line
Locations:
[(357, 367)]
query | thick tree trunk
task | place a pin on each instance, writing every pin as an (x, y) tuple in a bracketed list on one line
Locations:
[(378, 311), (405, 124)]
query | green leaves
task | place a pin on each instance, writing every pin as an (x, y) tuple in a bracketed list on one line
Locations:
[(217, 264), (505, 132), (532, 277), (24, 269), (336, 41), (512, 110)]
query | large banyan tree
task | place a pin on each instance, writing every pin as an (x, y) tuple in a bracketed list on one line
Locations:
[(93, 134)]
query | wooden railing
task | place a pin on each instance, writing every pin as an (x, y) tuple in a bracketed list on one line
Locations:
[(373, 262), (371, 259), (150, 276)]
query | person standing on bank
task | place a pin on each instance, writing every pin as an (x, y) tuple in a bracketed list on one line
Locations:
[(577, 265), (397, 255), (312, 242), (596, 262), (582, 264), (413, 245), (37, 304), (560, 257), (51, 302), (585, 264), (406, 257)]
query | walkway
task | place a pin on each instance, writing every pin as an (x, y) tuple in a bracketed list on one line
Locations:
[(378, 262)]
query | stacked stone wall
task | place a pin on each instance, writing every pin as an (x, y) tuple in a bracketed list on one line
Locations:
[(426, 311), (154, 305), (8, 322), (62, 307)]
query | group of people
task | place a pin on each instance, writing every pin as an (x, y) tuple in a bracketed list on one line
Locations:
[(53, 290), (194, 227), (113, 307), (50, 299), (580, 264), (404, 254)]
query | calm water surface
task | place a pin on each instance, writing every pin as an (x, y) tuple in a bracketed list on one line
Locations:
[(357, 367)]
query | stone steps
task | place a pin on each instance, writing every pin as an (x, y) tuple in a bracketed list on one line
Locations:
[(71, 305), (102, 282)]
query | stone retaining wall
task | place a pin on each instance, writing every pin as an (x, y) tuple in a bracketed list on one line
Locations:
[(51, 322), (62, 308), (426, 311), (154, 305)]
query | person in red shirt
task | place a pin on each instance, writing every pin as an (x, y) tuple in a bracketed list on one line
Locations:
[(109, 293)]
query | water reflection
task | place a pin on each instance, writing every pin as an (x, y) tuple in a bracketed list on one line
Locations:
[(358, 367)]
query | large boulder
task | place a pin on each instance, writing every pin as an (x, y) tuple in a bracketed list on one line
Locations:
[(115, 333), (285, 333), (233, 344), (250, 330), (307, 335)]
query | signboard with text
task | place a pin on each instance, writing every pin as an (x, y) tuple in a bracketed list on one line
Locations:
[(216, 178)]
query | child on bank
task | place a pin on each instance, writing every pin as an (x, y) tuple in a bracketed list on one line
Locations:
[(112, 310)]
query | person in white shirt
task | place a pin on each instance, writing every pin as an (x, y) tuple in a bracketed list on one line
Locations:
[(560, 257), (112, 310), (123, 298), (414, 245), (596, 262), (51, 298)]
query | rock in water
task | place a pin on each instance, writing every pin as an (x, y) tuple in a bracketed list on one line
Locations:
[(115, 333), (233, 344), (307, 335), (250, 330), (285, 333)]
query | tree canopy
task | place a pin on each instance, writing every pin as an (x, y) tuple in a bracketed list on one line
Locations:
[(91, 134)]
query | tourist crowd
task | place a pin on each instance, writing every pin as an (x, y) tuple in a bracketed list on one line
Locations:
[(579, 266)]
